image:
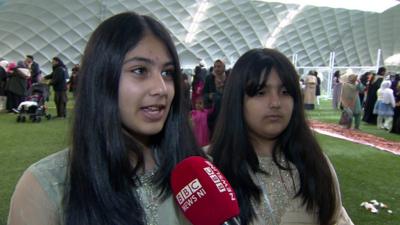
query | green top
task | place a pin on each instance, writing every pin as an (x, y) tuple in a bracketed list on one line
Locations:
[(278, 205), (49, 178)]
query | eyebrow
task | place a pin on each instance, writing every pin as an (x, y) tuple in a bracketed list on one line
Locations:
[(147, 61)]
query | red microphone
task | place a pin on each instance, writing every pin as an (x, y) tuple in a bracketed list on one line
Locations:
[(203, 193)]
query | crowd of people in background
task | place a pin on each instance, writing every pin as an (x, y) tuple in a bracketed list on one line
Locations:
[(361, 97), (368, 97), (16, 80)]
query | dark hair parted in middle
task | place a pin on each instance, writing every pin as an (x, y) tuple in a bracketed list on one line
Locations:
[(234, 154), (101, 173)]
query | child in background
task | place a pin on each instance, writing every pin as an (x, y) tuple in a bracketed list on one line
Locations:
[(32, 100), (199, 120), (384, 106)]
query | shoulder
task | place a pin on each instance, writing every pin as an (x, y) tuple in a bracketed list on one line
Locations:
[(37, 198), (50, 173), (50, 164)]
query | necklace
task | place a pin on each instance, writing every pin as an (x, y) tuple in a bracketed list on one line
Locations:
[(277, 190), (267, 213), (148, 196)]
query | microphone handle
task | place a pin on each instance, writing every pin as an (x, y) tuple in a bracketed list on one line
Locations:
[(233, 221)]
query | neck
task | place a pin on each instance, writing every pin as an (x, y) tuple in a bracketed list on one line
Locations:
[(149, 162), (263, 147)]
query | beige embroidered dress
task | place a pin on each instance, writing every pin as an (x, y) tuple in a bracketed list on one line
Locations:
[(38, 196), (310, 89), (278, 205)]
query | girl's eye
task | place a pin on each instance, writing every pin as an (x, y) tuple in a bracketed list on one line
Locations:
[(284, 91), (260, 93), (168, 73), (138, 70)]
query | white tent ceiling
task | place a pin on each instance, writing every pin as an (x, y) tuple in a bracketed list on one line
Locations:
[(226, 29)]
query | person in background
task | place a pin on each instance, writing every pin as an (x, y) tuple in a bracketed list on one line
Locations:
[(317, 87), (309, 92), (336, 90), (364, 80), (350, 100), (267, 150), (34, 69), (396, 115), (17, 84), (3, 77), (130, 129), (384, 106), (373, 86), (302, 87), (186, 89), (203, 71), (213, 90), (199, 117), (58, 79), (197, 85), (73, 80)]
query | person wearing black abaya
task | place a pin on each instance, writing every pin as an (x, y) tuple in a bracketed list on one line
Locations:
[(373, 87)]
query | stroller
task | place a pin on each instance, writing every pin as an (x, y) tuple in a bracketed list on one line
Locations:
[(34, 107)]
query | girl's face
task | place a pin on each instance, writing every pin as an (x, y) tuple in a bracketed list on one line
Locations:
[(199, 105), (146, 87), (267, 114)]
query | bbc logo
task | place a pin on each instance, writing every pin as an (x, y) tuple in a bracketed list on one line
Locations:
[(188, 190)]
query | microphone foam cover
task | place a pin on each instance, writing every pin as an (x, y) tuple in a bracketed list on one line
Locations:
[(202, 192)]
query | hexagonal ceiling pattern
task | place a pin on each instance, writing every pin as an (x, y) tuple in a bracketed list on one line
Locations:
[(228, 28)]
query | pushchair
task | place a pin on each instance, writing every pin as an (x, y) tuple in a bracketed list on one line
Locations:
[(34, 107)]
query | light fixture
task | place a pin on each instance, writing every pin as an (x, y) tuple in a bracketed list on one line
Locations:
[(196, 20), (288, 20), (362, 5)]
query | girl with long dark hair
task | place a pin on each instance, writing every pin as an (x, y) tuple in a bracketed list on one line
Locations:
[(265, 148), (130, 129)]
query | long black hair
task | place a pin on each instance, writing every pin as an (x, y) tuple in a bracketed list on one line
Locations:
[(233, 153), (100, 175), (197, 77), (381, 71)]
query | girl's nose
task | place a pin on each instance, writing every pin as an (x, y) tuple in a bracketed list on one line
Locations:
[(158, 83), (274, 100)]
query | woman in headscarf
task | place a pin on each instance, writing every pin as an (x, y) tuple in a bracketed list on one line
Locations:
[(17, 85), (350, 100)]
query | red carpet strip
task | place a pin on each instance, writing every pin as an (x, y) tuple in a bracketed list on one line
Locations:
[(356, 136)]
